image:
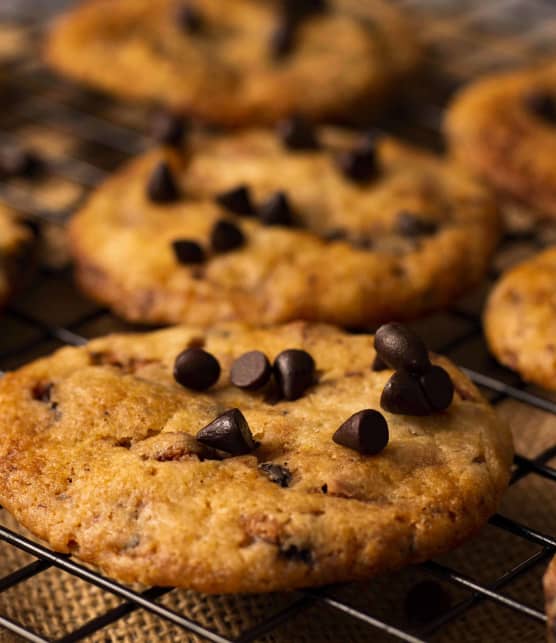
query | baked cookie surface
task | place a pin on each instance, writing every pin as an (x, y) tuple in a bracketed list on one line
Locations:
[(407, 239), (550, 595), (99, 458), (520, 319), (503, 128), (234, 62), (16, 249)]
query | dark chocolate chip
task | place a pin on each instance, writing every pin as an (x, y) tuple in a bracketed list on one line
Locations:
[(378, 365), (276, 473), (226, 236), (229, 432), (169, 129), (365, 432), (399, 347), (294, 370), (251, 371), (360, 163), (282, 39), (425, 602), (42, 391), (410, 225), (542, 105), (276, 210), (296, 133), (196, 369), (438, 388), (189, 18), (299, 9), (298, 554), (237, 200), (18, 162), (188, 251), (403, 395), (324, 488), (162, 187)]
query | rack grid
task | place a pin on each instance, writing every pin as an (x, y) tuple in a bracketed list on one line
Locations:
[(84, 136)]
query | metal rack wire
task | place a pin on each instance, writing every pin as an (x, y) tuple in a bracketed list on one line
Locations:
[(96, 135)]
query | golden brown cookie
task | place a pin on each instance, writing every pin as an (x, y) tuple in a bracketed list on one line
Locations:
[(99, 458), (520, 319), (550, 595), (408, 236), (232, 61), (16, 252), (503, 128)]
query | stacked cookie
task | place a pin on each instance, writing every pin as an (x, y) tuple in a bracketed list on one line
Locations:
[(358, 454)]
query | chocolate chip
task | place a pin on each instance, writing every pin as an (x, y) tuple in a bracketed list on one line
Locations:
[(162, 187), (237, 200), (169, 129), (337, 234), (276, 210), (42, 391), (229, 432), (282, 39), (360, 163), (251, 371), (188, 252), (276, 473), (438, 388), (425, 602), (18, 162), (378, 365), (403, 395), (365, 432), (226, 236), (196, 369), (298, 9), (189, 18), (399, 347), (410, 225), (541, 104), (298, 554), (296, 133), (295, 372)]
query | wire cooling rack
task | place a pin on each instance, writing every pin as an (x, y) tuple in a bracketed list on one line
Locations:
[(82, 136)]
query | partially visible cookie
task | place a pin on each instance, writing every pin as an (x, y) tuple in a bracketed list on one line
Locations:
[(239, 62), (16, 250), (549, 582), (520, 319), (211, 472), (503, 128), (248, 227)]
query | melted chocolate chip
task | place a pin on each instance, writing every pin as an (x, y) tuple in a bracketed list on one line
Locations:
[(294, 370), (378, 365), (229, 432), (282, 39), (296, 133), (276, 210), (400, 348), (542, 105), (189, 18), (359, 164), (403, 395), (169, 129), (276, 473), (226, 236), (251, 371), (410, 225), (438, 388), (18, 162), (196, 369), (237, 201), (298, 554), (365, 432), (299, 9), (161, 187), (188, 252), (425, 602), (42, 391)]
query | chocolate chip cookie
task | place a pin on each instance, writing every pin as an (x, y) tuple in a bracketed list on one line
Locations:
[(179, 458), (503, 128), (16, 253), (270, 227), (239, 62), (550, 594), (520, 319)]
